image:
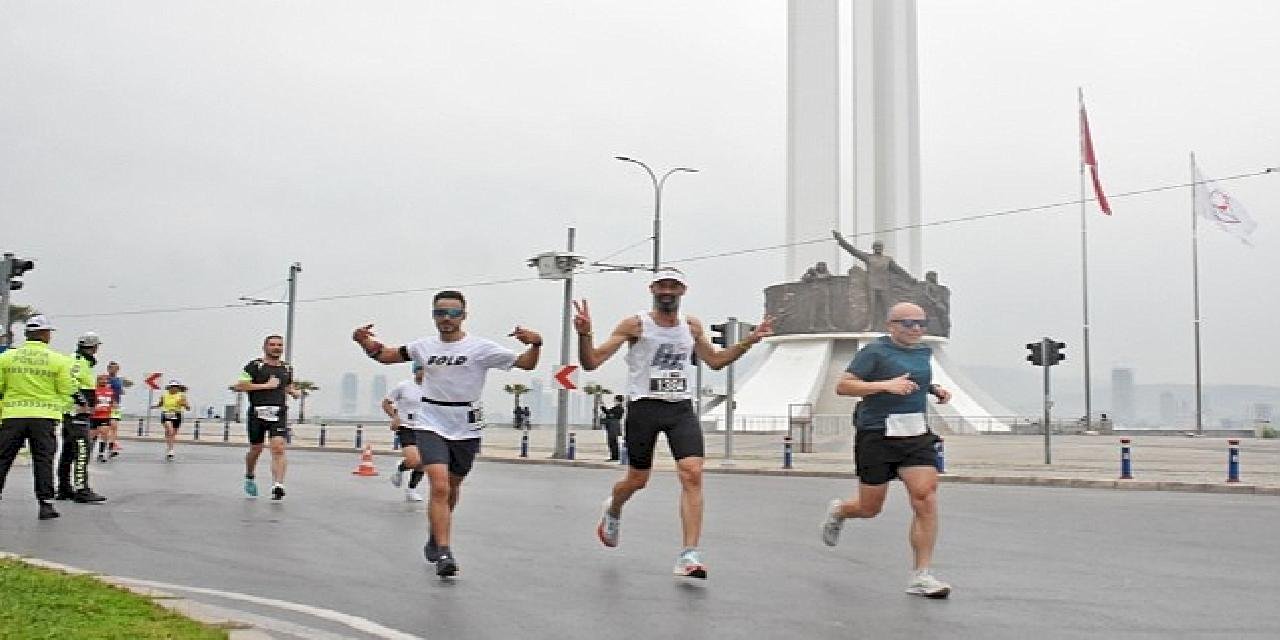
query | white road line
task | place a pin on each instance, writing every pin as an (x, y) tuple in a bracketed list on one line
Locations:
[(355, 622)]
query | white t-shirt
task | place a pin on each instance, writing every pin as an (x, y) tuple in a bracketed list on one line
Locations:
[(407, 397), (455, 372)]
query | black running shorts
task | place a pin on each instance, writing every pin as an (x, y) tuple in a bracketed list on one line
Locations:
[(878, 458), (408, 437), (95, 423), (458, 454), (259, 428), (171, 417), (646, 418)]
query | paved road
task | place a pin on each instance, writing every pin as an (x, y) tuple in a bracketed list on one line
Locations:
[(1026, 562)]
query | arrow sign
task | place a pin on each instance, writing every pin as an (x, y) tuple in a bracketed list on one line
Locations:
[(564, 377), (153, 381)]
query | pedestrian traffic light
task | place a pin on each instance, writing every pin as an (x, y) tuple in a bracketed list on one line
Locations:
[(720, 334), (1037, 353), (13, 269), (1055, 354)]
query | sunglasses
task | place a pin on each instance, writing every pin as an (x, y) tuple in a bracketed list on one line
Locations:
[(911, 323), (447, 313)]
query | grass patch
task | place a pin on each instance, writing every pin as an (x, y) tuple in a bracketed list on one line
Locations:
[(40, 603)]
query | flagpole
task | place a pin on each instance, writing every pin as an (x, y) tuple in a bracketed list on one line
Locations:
[(1195, 291), (1084, 271)]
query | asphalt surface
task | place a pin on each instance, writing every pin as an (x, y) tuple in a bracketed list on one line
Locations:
[(1024, 561)]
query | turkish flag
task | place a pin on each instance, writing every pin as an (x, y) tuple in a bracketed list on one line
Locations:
[(1088, 158)]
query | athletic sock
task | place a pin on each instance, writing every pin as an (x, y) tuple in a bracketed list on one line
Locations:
[(415, 478)]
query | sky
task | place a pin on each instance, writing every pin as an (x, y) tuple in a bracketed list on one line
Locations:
[(180, 155)]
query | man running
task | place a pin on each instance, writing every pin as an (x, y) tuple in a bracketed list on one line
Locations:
[(448, 433), (892, 375), (660, 343), (267, 380), (100, 420), (171, 406), (35, 382), (109, 434), (77, 432), (404, 406)]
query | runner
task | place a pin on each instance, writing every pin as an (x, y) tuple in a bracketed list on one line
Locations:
[(448, 433), (110, 434), (73, 463), (172, 403), (658, 382), (404, 405), (100, 419), (267, 380)]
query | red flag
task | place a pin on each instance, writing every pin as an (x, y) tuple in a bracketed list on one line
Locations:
[(1087, 157)]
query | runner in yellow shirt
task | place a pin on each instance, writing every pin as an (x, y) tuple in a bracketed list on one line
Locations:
[(172, 404)]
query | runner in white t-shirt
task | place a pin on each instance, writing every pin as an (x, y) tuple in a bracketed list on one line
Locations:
[(448, 431), (403, 405), (659, 383)]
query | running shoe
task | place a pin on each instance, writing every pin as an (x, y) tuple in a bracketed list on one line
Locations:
[(102, 458), (251, 487), (115, 450), (397, 477), (924, 584), (431, 550), (277, 491), (609, 525), (412, 495), (168, 455), (832, 525), (689, 565), (446, 565)]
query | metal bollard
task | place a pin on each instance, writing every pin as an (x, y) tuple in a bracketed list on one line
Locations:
[(524, 443), (1126, 460), (786, 452), (322, 434), (573, 446), (195, 431), (288, 434), (226, 431), (359, 435), (1233, 460), (623, 458), (139, 427), (941, 461)]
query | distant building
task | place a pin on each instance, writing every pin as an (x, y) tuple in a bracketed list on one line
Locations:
[(1168, 409), (377, 391), (536, 400), (348, 394), (1122, 395)]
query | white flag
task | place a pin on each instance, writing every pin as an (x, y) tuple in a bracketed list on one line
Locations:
[(1212, 203)]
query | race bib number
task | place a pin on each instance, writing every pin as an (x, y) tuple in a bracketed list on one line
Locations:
[(267, 414), (901, 425), (169, 415), (669, 382)]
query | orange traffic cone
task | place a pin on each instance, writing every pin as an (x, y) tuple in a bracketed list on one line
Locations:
[(366, 467)]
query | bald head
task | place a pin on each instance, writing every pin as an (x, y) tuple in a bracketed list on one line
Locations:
[(904, 310), (906, 323)]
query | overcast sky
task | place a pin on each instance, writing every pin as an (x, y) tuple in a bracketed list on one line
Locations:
[(168, 154)]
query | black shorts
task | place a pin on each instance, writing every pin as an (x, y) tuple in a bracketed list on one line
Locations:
[(172, 417), (94, 423), (458, 454), (408, 437), (259, 428), (647, 418), (878, 458)]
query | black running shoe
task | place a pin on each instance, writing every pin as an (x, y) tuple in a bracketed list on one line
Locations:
[(277, 491), (446, 566), (431, 550), (47, 512)]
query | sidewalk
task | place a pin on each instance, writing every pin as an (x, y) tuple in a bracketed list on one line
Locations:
[(1164, 463)]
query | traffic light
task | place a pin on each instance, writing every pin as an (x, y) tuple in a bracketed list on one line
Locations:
[(1055, 354), (1037, 353), (745, 329), (13, 269), (720, 334)]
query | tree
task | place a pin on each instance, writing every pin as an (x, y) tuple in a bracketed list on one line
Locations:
[(516, 390), (305, 388), (595, 391)]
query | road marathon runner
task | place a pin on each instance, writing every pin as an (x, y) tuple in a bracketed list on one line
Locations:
[(659, 384), (172, 403), (892, 378), (73, 463), (104, 403), (109, 434), (448, 433), (404, 406), (35, 382), (267, 380)]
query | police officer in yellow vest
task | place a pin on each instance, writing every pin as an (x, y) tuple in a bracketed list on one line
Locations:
[(36, 383), (73, 463)]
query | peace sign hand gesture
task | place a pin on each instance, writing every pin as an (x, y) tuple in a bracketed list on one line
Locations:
[(581, 317)]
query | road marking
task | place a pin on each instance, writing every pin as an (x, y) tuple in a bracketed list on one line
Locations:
[(355, 622)]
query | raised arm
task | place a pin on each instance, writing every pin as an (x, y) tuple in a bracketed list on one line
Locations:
[(720, 358), (363, 336), (591, 356), (844, 244), (529, 359)]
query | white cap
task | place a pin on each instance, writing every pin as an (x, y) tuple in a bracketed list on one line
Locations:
[(668, 273), (89, 339), (173, 382), (39, 323)]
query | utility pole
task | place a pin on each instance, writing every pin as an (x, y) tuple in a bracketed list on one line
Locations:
[(730, 338), (294, 270)]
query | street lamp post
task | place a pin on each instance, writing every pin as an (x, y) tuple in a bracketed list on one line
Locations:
[(657, 203)]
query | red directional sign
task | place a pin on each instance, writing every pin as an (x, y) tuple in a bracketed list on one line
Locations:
[(564, 377), (153, 381)]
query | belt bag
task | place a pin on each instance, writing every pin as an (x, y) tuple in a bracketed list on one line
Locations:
[(473, 416)]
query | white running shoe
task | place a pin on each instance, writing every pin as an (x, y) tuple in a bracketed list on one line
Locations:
[(412, 495), (609, 525), (169, 455), (397, 477), (689, 565), (832, 525), (924, 584)]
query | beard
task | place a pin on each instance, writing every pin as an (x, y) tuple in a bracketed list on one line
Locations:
[(666, 303)]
